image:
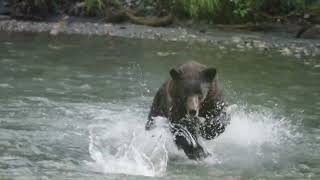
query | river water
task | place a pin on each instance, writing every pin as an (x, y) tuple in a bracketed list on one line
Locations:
[(74, 107)]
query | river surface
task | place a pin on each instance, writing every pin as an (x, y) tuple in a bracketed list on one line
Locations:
[(74, 107)]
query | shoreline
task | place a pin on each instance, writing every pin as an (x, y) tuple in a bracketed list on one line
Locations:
[(287, 46)]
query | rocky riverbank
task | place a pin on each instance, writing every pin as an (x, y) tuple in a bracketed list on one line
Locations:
[(242, 40)]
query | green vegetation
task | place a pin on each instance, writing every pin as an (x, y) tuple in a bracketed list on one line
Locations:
[(233, 11), (26, 8), (200, 9), (94, 7), (217, 11)]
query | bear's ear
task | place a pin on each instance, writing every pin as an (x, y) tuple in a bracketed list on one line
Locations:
[(175, 75), (208, 74)]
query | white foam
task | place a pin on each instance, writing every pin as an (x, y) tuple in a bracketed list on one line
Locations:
[(124, 147), (252, 135), (119, 143), (5, 85), (254, 128)]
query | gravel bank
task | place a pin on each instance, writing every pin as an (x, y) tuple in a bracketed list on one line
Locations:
[(299, 48)]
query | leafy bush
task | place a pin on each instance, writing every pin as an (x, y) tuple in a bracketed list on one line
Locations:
[(229, 11), (95, 7), (276, 7), (32, 8), (217, 11), (101, 7), (200, 9)]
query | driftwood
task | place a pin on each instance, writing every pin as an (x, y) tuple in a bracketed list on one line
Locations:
[(251, 26), (298, 24), (129, 15), (150, 20), (306, 21)]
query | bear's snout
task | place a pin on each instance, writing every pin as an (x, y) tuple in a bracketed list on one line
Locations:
[(193, 105), (193, 112)]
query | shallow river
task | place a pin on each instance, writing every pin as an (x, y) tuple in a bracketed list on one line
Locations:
[(74, 107)]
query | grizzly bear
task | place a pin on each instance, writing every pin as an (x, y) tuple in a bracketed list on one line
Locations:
[(193, 103)]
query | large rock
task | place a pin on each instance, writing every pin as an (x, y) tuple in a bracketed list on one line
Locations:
[(312, 33)]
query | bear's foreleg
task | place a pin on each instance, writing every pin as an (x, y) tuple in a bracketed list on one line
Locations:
[(214, 126), (188, 142), (156, 110)]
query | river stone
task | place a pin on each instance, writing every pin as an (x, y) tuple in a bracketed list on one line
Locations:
[(285, 51)]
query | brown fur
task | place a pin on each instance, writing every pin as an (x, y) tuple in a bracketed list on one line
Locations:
[(170, 102)]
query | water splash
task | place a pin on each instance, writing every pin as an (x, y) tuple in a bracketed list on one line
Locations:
[(120, 145), (125, 148), (253, 138), (256, 127)]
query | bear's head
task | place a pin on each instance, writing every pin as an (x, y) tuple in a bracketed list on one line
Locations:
[(190, 89)]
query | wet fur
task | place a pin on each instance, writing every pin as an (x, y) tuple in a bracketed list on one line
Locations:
[(169, 103)]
